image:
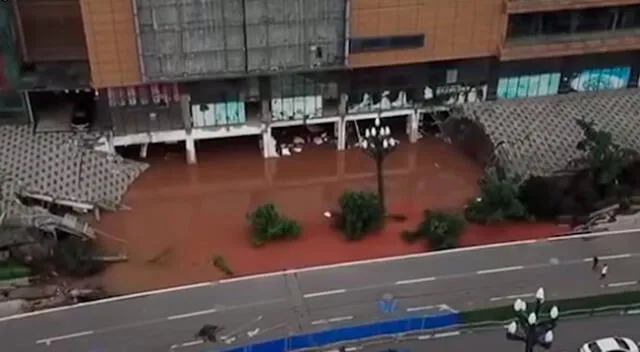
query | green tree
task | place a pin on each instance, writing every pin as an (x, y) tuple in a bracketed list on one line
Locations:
[(605, 158), (499, 199), (441, 230), (268, 225), (361, 214)]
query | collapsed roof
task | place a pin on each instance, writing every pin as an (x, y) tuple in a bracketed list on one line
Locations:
[(539, 135), (61, 166)]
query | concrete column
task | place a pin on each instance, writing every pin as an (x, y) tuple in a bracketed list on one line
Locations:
[(412, 126), (190, 146), (185, 109), (342, 106), (268, 144), (265, 111), (341, 133)]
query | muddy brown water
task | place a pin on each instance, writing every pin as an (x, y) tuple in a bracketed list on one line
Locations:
[(183, 215)]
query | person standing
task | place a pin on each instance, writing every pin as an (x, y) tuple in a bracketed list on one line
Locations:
[(595, 263), (603, 271)]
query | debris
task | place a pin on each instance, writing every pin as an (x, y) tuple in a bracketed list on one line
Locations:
[(111, 258)]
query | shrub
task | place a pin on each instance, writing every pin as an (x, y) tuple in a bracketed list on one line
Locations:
[(498, 201), (361, 214), (10, 271), (269, 225), (440, 230), (219, 262), (74, 256), (542, 197)]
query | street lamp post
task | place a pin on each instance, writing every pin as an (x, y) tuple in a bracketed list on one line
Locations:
[(529, 327), (378, 144)]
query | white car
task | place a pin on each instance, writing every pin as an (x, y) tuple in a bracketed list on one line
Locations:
[(610, 344)]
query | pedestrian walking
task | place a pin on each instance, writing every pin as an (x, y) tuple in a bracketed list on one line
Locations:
[(603, 271), (595, 263)]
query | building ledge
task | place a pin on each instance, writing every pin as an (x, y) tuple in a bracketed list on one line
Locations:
[(525, 6), (545, 47)]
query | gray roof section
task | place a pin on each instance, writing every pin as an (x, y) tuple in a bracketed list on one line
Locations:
[(540, 134), (63, 166)]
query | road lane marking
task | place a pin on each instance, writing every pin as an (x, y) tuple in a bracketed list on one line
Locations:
[(622, 284), (446, 334), (633, 311), (331, 320), (323, 293), (500, 298), (49, 340), (192, 314), (439, 335), (186, 344), (415, 281), (617, 256), (415, 309), (500, 270)]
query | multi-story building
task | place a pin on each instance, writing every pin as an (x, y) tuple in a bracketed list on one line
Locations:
[(187, 70)]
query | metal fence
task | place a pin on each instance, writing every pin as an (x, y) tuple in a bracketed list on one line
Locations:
[(404, 330)]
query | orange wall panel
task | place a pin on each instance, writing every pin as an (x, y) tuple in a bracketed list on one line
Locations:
[(111, 41), (453, 29)]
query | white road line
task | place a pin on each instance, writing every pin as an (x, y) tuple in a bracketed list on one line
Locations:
[(446, 334), (524, 295), (424, 337), (331, 320), (622, 284), (633, 311), (617, 256), (339, 319), (415, 281), (499, 270), (415, 309), (351, 349), (187, 344), (192, 314), (324, 293), (49, 340)]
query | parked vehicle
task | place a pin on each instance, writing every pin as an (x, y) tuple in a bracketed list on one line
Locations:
[(610, 344)]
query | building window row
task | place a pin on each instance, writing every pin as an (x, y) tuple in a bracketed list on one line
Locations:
[(363, 45), (574, 22)]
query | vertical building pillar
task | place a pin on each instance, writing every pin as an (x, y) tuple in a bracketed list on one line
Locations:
[(190, 147), (341, 133), (412, 126)]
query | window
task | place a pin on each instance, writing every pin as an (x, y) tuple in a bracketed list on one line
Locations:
[(593, 346), (556, 23), (573, 22), (629, 17), (361, 45), (595, 20), (623, 344), (452, 76), (523, 25)]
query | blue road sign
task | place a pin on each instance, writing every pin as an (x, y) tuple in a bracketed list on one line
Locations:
[(387, 305)]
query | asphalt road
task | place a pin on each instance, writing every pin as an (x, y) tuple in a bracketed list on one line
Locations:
[(569, 336), (285, 303)]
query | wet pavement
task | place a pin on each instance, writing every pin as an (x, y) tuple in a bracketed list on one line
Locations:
[(184, 215)]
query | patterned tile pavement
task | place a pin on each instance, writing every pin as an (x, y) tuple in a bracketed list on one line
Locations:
[(540, 134)]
